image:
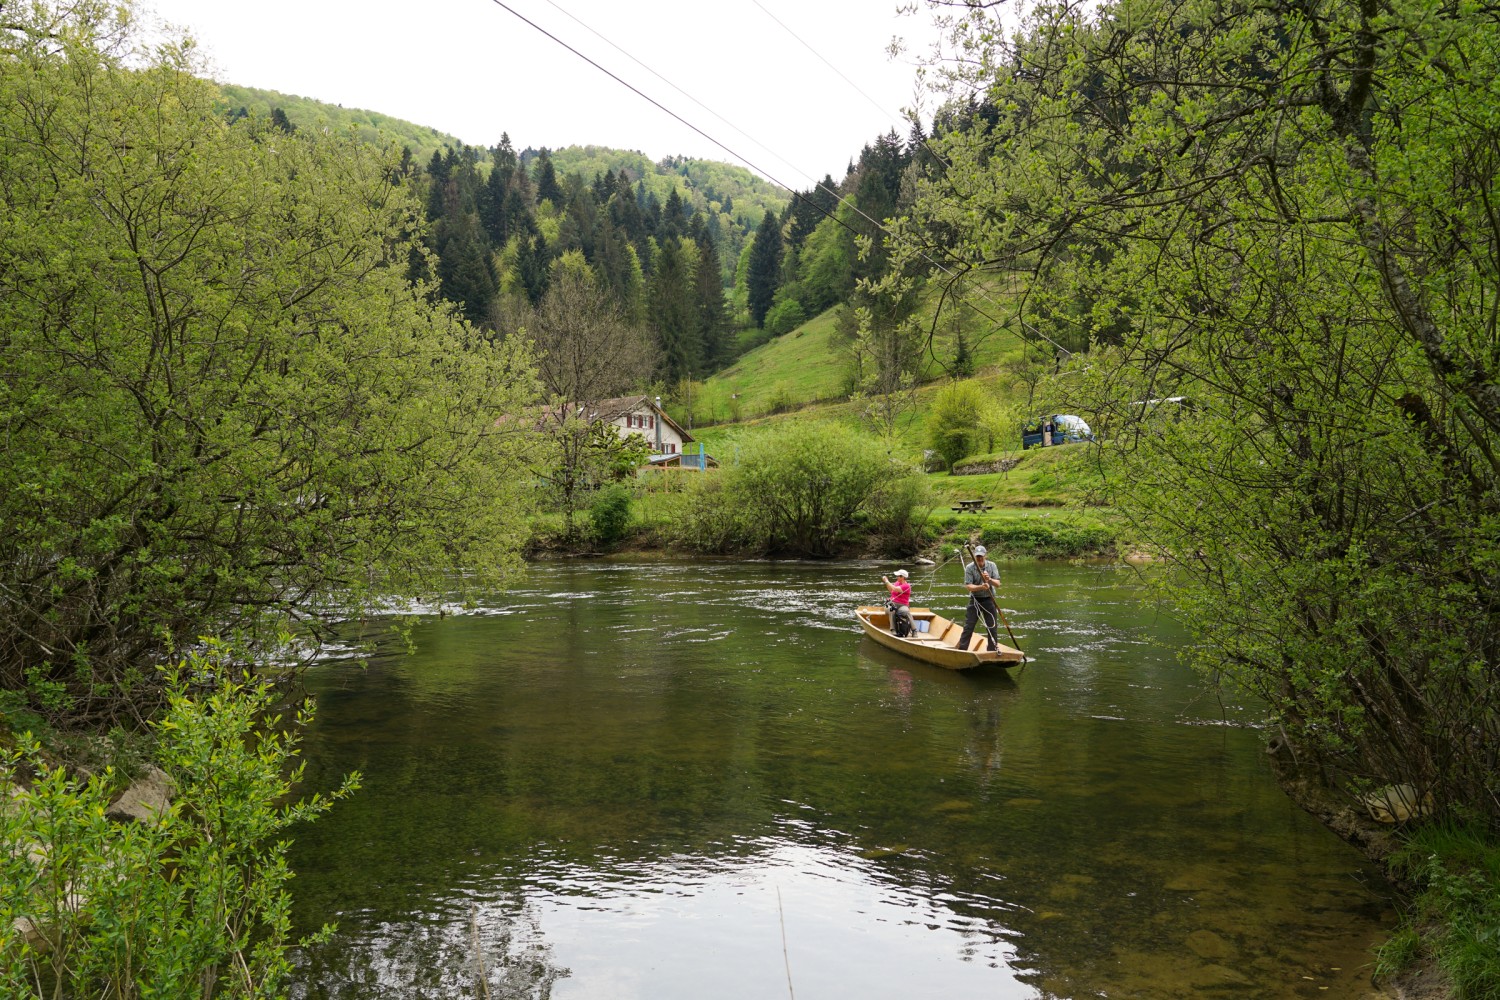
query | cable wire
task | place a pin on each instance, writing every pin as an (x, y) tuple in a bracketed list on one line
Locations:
[(759, 169)]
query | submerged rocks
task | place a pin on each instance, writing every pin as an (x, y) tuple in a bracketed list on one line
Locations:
[(1206, 944)]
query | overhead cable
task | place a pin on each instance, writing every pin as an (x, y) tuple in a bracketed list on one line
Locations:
[(880, 226)]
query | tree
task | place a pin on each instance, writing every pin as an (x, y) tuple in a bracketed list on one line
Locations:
[(545, 174), (227, 412), (765, 268), (956, 424), (585, 349), (826, 275), (587, 353), (672, 312), (1281, 214), (712, 315)]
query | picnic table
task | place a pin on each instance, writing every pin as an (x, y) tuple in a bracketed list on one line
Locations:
[(966, 506)]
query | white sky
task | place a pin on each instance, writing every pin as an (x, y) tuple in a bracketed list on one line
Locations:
[(470, 68)]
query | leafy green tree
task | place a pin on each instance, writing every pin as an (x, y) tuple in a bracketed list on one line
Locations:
[(826, 274), (227, 412), (1280, 215), (785, 316), (956, 423)]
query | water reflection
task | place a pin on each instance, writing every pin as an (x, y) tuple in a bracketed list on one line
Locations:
[(645, 772)]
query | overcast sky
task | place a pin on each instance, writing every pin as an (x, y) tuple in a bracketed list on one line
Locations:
[(473, 69)]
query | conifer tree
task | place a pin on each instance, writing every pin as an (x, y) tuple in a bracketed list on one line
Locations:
[(531, 267), (673, 217), (547, 187), (765, 268), (492, 204), (713, 316), (504, 155), (672, 315)]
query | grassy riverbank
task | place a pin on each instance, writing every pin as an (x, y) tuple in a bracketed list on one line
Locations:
[(1449, 940)]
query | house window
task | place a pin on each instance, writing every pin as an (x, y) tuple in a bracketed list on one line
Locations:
[(652, 422)]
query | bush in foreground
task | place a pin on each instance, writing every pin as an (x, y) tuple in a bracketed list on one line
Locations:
[(193, 904)]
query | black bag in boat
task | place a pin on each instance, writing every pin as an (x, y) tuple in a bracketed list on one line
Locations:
[(900, 619)]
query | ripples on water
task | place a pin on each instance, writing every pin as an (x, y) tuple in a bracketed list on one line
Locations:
[(681, 780)]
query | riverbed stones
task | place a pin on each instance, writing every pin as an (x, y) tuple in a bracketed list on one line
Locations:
[(881, 853), (1208, 945), (954, 806), (1195, 879)]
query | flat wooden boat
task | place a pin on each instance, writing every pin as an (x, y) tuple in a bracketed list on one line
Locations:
[(939, 644)]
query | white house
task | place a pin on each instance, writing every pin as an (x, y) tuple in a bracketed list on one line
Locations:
[(641, 415)]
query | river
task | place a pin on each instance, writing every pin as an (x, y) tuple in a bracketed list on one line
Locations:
[(621, 781)]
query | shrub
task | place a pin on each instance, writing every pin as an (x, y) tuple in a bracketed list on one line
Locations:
[(610, 514), (1048, 539), (707, 518), (785, 316), (194, 904), (954, 426), (798, 488), (898, 514)]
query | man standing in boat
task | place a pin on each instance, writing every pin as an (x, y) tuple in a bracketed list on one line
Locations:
[(980, 582)]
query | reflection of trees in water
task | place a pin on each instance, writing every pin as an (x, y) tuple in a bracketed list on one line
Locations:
[(493, 953)]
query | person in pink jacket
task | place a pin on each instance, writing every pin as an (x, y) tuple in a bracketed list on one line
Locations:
[(900, 590)]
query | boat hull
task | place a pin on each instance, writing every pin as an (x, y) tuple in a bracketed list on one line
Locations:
[(939, 646)]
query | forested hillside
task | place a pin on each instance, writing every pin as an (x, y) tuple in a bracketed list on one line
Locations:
[(707, 185), (307, 113)]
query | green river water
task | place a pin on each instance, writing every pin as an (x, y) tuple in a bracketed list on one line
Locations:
[(662, 780)]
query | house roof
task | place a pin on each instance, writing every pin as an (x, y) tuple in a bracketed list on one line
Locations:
[(614, 409)]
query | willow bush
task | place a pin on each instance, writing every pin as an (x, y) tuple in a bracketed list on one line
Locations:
[(1285, 214), (192, 904), (809, 489)]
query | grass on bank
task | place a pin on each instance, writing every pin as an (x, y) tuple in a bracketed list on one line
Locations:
[(1454, 921)]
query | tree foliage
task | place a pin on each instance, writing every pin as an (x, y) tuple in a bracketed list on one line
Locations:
[(222, 400), (1285, 213), (797, 489), (956, 422)]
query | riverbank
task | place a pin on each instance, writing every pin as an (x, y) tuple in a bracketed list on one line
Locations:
[(659, 521)]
